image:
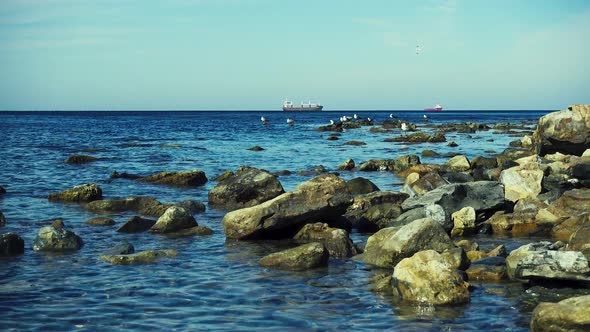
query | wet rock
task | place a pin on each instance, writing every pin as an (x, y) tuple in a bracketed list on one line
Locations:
[(463, 221), (390, 245), (122, 248), (192, 231), (420, 169), (381, 283), (195, 178), (483, 196), (304, 257), (248, 187), (346, 165), (429, 153), (360, 186), (314, 171), (541, 261), (382, 205), (580, 238), (332, 138), (192, 206), (571, 314), (77, 194), (136, 224), (467, 245), (514, 153), (427, 278), (143, 257), (419, 137), (80, 159), (100, 221), (458, 163), (564, 228), (377, 217), (335, 240), (453, 144), (174, 219), (518, 224), (484, 162), (529, 205), (426, 183), (256, 148), (124, 175), (325, 197), (144, 205), (284, 172), (396, 165), (355, 143), (488, 269), (56, 238), (566, 131), (11, 244), (223, 176), (2, 219), (456, 258), (2, 191)]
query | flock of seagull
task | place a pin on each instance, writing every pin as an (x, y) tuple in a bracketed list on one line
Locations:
[(344, 118)]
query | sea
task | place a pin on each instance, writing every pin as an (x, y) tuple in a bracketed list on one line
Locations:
[(216, 284)]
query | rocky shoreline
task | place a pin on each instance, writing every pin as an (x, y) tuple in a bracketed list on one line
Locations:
[(540, 186)]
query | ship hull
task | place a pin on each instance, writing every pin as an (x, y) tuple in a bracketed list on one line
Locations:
[(302, 109)]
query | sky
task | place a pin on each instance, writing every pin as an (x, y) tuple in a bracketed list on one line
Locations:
[(252, 54)]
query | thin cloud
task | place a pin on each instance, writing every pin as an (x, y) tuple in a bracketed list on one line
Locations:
[(444, 7)]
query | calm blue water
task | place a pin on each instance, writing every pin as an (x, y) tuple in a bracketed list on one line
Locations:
[(211, 285)]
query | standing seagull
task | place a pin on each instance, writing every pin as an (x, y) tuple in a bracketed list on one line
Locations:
[(290, 121), (263, 119)]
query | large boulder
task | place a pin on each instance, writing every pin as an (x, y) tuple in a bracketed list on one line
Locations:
[(336, 240), (373, 211), (136, 224), (325, 198), (542, 261), (81, 193), (482, 196), (566, 131), (426, 277), (56, 238), (390, 245), (248, 186), (304, 257), (194, 178), (11, 244), (571, 314), (174, 219), (360, 186)]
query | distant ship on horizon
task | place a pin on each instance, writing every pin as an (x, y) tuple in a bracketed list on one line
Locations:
[(288, 106), (435, 108)]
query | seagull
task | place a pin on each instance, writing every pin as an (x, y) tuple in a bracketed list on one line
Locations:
[(425, 117), (290, 121), (332, 122), (369, 119), (355, 116), (391, 116), (343, 118), (404, 126), (263, 119)]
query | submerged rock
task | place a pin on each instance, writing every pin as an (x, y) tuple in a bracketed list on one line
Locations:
[(100, 221), (11, 244), (174, 219), (249, 186), (143, 257), (571, 314), (122, 248), (2, 191), (304, 257), (336, 240), (193, 178), (144, 205), (566, 131), (426, 277), (2, 219), (56, 238), (390, 245), (80, 159), (325, 197), (77, 194)]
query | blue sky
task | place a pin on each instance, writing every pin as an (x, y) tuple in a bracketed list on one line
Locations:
[(251, 54)]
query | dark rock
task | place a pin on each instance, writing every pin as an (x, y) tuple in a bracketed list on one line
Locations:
[(458, 177), (427, 182), (429, 153), (223, 176), (355, 143), (360, 186), (100, 221), (2, 191), (335, 240), (256, 148), (2, 219), (174, 219), (11, 244), (80, 159), (124, 175), (136, 224), (193, 178), (333, 138), (360, 217), (315, 171), (56, 238), (284, 172), (123, 248), (192, 206), (484, 162), (325, 197), (409, 216), (192, 231), (143, 257), (346, 165), (248, 187), (304, 257), (453, 144), (81, 193)]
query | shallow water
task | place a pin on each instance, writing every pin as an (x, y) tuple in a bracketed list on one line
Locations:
[(212, 284)]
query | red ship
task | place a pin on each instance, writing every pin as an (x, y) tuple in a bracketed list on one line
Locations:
[(434, 109)]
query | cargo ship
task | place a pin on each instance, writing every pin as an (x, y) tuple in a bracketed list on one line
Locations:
[(435, 108), (288, 106)]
